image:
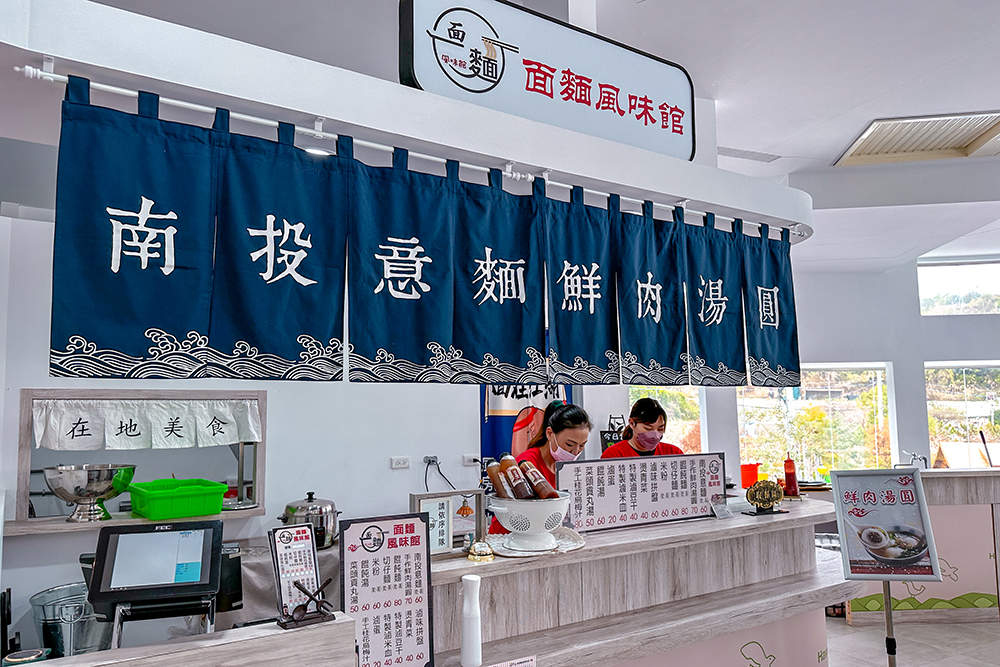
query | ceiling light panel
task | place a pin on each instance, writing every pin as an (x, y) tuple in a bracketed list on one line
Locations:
[(926, 138)]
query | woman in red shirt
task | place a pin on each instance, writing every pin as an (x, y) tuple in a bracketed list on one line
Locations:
[(562, 437), (643, 434)]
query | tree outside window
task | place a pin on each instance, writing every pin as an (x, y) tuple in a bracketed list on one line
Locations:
[(961, 404)]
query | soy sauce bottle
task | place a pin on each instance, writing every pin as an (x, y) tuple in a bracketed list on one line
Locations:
[(520, 487), (537, 480), (791, 480), (499, 480)]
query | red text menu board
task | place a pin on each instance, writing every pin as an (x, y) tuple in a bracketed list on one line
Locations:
[(885, 529), (385, 586), (611, 493)]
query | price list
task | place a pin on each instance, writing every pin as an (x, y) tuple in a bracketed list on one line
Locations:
[(293, 550), (385, 584), (611, 493)]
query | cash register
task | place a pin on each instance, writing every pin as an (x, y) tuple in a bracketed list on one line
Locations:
[(159, 570)]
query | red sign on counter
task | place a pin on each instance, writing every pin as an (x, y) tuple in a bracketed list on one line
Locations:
[(611, 493), (385, 586)]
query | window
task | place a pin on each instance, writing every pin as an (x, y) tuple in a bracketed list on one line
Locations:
[(961, 404), (959, 289), (838, 419), (683, 410)]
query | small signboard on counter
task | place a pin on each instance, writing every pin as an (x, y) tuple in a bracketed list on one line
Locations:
[(293, 552), (611, 493), (885, 529), (385, 585)]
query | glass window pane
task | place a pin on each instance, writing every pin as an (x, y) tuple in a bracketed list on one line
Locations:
[(683, 409), (959, 289), (837, 419), (963, 409)]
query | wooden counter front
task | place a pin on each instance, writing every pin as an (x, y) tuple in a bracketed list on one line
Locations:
[(624, 570)]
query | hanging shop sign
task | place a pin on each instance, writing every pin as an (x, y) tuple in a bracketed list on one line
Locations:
[(611, 493), (385, 584), (884, 525), (165, 270), (508, 58)]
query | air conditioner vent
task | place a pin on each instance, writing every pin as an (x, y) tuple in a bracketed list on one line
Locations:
[(926, 138)]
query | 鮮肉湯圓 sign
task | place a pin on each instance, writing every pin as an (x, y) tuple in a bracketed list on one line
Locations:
[(510, 59), (885, 529)]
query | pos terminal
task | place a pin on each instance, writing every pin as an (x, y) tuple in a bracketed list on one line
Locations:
[(157, 570)]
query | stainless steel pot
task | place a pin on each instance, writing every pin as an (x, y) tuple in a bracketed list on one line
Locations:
[(322, 514)]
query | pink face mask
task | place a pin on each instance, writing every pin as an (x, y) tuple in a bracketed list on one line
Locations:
[(648, 440), (560, 454)]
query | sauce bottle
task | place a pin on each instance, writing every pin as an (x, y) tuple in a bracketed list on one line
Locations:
[(500, 483), (791, 481), (519, 485), (537, 480)]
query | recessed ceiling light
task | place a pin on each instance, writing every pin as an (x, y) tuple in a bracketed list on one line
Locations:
[(747, 155)]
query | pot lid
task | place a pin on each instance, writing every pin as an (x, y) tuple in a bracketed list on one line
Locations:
[(311, 506)]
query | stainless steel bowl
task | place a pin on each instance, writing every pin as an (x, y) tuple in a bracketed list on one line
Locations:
[(89, 486)]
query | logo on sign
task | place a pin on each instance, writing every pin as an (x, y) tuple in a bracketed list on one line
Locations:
[(468, 50)]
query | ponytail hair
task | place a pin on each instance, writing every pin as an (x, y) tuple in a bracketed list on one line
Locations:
[(645, 410), (560, 416)]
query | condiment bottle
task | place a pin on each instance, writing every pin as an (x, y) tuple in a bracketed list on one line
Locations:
[(519, 485), (791, 481), (500, 483), (537, 480)]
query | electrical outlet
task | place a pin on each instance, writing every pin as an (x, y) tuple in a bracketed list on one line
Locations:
[(399, 462), (431, 459), (471, 460)]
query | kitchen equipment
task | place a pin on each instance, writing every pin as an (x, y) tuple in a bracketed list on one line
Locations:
[(530, 522), (66, 623), (176, 498), (322, 514), (748, 474), (88, 486)]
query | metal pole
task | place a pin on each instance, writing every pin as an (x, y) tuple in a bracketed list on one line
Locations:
[(890, 641)]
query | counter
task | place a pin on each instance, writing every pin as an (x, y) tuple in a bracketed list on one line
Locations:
[(963, 506), (629, 594), (636, 592)]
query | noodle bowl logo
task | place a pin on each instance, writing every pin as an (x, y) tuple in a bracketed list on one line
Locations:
[(468, 50)]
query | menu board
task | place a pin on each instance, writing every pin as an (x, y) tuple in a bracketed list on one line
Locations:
[(293, 552), (885, 529), (385, 585), (611, 493)]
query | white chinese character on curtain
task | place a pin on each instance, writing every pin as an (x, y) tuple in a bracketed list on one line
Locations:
[(501, 279), (290, 258), (768, 302), (648, 298), (402, 269), (713, 304), (147, 245), (579, 285)]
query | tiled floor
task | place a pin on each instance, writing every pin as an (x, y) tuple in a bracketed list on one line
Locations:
[(917, 644)]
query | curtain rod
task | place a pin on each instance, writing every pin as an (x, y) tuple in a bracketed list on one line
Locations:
[(316, 132)]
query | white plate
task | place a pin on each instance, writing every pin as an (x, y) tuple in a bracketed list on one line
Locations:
[(567, 539)]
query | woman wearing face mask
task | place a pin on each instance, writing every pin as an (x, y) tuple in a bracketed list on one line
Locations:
[(642, 436), (562, 437)]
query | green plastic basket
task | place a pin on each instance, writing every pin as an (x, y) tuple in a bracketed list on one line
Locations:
[(176, 498)]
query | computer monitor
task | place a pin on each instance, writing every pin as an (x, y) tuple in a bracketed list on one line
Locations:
[(151, 563)]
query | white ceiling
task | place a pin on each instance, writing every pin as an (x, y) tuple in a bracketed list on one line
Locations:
[(796, 78)]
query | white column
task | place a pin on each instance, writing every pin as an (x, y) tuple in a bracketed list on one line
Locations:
[(720, 425)]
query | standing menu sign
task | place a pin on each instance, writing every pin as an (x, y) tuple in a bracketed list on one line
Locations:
[(885, 529), (610, 493), (385, 585), (511, 59)]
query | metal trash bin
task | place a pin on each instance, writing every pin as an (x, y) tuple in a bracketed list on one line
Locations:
[(66, 623)]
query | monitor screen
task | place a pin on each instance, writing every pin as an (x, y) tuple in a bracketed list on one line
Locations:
[(142, 560), (152, 562)]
